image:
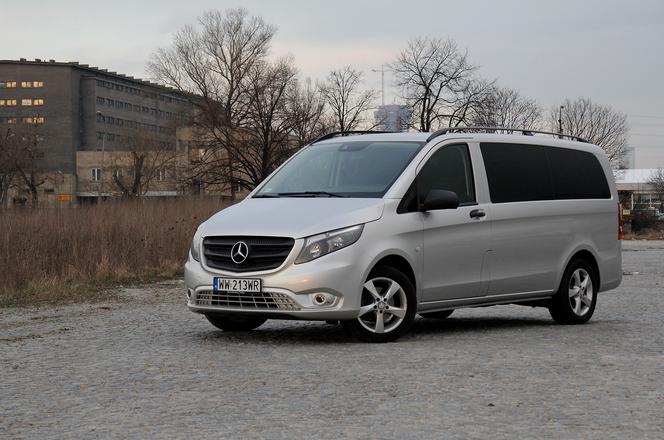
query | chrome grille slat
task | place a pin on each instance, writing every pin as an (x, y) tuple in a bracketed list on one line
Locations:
[(253, 301), (265, 253)]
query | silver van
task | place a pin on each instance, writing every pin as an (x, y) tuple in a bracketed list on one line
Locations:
[(370, 229)]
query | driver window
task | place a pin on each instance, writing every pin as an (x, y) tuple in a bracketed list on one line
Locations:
[(450, 169)]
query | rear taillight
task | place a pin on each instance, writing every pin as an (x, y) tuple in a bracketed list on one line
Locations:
[(619, 222)]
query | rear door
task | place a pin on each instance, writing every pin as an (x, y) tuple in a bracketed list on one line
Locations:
[(454, 240)]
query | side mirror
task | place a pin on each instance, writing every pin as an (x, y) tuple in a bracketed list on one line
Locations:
[(440, 199)]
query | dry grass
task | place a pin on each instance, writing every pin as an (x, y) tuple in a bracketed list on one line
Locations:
[(56, 255), (646, 234)]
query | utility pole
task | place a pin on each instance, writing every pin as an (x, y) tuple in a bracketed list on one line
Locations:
[(382, 83), (101, 169)]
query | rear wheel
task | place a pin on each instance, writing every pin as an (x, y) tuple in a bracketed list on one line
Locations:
[(575, 301), (235, 323), (437, 315), (387, 308)]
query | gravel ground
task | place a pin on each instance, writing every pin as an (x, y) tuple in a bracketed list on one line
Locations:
[(145, 367)]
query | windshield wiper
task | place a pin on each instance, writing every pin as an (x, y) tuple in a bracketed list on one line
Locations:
[(266, 196), (310, 194)]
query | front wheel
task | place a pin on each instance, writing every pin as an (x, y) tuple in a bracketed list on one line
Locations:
[(575, 301), (387, 307), (235, 323)]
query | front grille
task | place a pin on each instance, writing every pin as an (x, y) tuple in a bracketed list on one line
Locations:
[(253, 301), (265, 253)]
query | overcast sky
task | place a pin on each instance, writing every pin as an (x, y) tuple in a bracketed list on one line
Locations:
[(611, 51)]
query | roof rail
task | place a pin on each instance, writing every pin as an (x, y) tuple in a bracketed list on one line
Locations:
[(347, 133), (507, 130)]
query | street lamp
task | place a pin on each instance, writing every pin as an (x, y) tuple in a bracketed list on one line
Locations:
[(101, 169), (560, 120), (382, 82)]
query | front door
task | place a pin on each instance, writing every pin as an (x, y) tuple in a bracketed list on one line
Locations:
[(455, 241)]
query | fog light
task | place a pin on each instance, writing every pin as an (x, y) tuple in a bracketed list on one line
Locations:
[(323, 299)]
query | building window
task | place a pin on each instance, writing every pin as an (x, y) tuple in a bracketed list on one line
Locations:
[(7, 84), (8, 102), (110, 102), (117, 174), (96, 174), (33, 120), (31, 102), (31, 84), (127, 106), (110, 137), (161, 175), (100, 135), (100, 100), (137, 108), (12, 120)]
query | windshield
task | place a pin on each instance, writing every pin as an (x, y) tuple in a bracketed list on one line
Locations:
[(351, 169)]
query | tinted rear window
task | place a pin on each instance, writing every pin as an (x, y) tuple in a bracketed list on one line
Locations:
[(520, 173)]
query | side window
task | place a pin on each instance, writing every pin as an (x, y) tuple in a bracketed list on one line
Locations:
[(517, 172), (577, 175), (448, 168)]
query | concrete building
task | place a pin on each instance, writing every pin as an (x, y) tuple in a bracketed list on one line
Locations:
[(636, 193), (82, 115), (393, 117)]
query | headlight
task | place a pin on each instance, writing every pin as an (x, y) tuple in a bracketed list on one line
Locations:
[(196, 247), (322, 244)]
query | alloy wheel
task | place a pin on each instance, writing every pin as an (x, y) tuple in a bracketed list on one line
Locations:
[(580, 292), (384, 305)]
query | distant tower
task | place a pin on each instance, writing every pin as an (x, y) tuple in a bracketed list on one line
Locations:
[(393, 117), (630, 158)]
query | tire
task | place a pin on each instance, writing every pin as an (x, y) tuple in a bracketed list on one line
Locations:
[(437, 315), (235, 323), (575, 301), (379, 320)]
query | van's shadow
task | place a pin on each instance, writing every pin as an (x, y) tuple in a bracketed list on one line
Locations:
[(302, 332)]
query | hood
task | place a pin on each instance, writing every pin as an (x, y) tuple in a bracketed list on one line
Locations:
[(295, 217)]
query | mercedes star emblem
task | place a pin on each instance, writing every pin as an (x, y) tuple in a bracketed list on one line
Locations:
[(239, 252)]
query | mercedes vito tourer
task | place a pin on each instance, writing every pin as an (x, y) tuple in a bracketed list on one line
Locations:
[(370, 229)]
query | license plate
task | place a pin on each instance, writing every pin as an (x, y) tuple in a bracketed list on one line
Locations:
[(243, 285)]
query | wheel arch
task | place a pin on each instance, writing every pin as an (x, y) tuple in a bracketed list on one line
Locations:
[(398, 262), (589, 256)]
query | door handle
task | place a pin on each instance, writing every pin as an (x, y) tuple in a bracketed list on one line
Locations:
[(477, 213)]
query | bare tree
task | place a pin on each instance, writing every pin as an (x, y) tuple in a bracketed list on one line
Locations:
[(656, 180), (24, 158), (266, 140), (306, 110), (216, 61), (147, 161), (437, 80), (348, 103), (7, 170), (599, 124), (507, 108)]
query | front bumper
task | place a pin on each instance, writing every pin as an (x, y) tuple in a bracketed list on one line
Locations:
[(288, 291)]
